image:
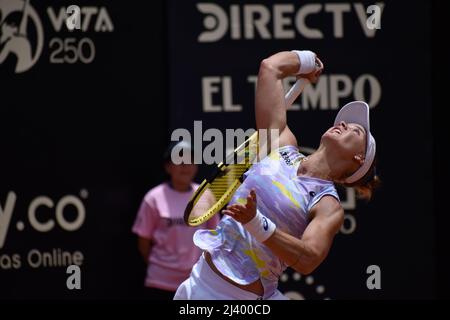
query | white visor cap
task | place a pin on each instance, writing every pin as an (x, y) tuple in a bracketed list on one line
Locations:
[(358, 112)]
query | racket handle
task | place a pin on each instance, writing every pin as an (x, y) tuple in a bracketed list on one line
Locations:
[(295, 91)]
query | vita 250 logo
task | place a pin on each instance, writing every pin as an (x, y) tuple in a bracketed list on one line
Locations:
[(22, 34)]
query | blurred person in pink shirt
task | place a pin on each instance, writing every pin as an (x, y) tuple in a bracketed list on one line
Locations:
[(164, 241)]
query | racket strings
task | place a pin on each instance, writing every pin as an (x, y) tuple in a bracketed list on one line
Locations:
[(216, 192), (221, 184)]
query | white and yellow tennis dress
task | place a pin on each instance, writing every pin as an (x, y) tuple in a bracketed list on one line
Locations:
[(283, 197)]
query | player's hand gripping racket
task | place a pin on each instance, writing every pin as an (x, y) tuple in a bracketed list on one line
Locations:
[(217, 190)]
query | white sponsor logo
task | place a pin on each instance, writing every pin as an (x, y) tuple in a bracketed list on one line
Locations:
[(316, 289), (17, 20), (22, 33), (36, 258), (96, 18), (38, 214), (280, 21), (327, 94)]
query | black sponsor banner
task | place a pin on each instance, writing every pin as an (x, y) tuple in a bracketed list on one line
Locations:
[(84, 120), (215, 49), (80, 113)]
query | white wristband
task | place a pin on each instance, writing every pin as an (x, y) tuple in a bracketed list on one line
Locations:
[(260, 227), (307, 61)]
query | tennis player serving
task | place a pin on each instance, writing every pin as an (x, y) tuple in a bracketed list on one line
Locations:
[(287, 212)]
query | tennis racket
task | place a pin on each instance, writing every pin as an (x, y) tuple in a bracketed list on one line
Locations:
[(217, 190)]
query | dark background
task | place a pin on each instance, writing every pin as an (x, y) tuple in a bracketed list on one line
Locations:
[(102, 126)]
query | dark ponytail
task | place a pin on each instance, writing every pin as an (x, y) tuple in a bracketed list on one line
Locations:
[(366, 186)]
